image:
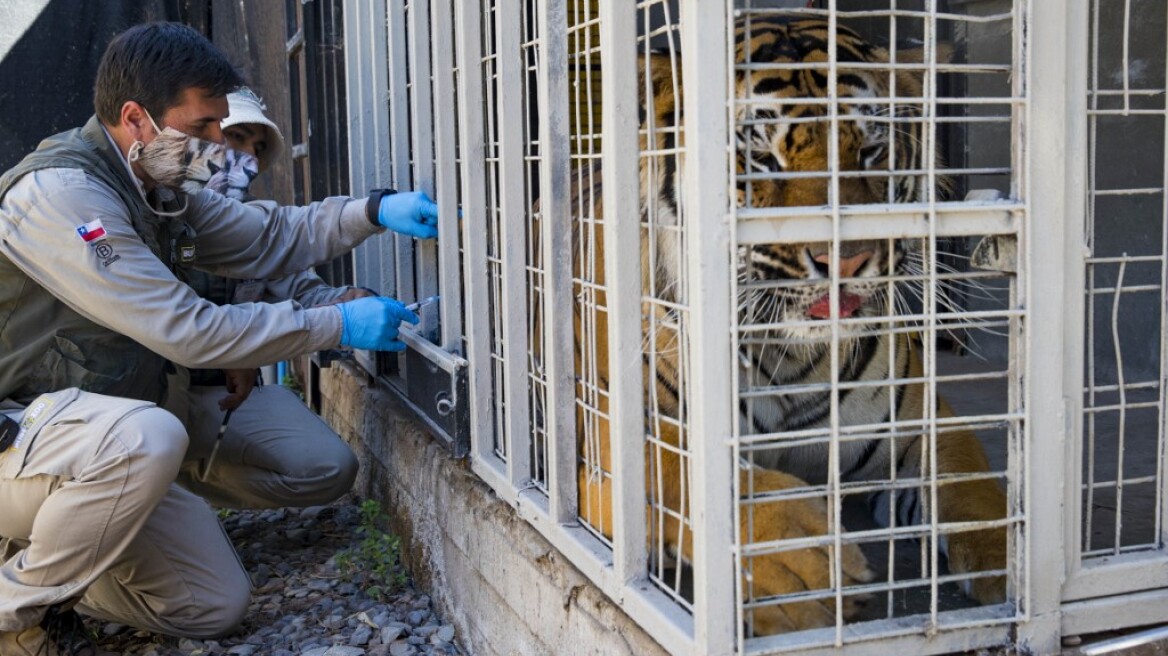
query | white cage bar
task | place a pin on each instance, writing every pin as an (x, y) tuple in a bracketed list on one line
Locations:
[(548, 127)]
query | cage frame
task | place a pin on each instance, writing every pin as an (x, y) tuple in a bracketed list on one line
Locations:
[(1062, 595)]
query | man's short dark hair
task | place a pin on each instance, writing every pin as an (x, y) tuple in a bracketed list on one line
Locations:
[(153, 64)]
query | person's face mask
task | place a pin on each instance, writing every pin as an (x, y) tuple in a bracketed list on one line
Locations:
[(233, 180), (177, 160)]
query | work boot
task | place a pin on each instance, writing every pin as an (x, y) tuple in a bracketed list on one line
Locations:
[(60, 633)]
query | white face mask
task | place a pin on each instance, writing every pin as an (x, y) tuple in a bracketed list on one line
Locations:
[(178, 161), (235, 177)]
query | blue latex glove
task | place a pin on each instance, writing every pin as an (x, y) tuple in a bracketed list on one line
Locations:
[(372, 323), (410, 213)]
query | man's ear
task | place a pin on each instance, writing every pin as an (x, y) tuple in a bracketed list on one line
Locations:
[(134, 120)]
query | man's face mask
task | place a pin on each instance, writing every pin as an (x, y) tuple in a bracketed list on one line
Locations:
[(177, 160), (233, 180)]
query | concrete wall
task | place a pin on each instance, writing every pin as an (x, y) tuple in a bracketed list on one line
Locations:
[(506, 588)]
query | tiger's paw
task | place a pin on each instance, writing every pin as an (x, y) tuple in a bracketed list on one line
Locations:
[(980, 551), (810, 569)]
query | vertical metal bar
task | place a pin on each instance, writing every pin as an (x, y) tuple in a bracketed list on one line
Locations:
[(1054, 63), (833, 167), (358, 53), (368, 98), (514, 213), (1121, 388), (397, 255), (1162, 397), (556, 234), (707, 196), (622, 245), (930, 306), (468, 37), (1079, 307), (422, 133), (446, 175)]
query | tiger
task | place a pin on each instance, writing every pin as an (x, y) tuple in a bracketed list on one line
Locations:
[(792, 137)]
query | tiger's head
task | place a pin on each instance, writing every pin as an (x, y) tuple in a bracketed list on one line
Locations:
[(785, 153)]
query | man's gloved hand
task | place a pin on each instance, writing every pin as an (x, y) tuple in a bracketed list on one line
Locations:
[(410, 213), (371, 323)]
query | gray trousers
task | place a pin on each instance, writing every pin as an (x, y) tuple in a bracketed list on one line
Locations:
[(275, 452), (90, 507)]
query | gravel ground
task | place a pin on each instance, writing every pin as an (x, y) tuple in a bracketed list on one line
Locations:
[(303, 603)]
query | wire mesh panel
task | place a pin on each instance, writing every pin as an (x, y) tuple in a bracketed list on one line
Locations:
[(1116, 534), (880, 317), (1123, 395), (536, 273), (590, 311)]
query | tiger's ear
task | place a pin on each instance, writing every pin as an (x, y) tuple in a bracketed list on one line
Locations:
[(918, 55)]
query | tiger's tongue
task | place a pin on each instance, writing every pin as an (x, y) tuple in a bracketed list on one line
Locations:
[(848, 304)]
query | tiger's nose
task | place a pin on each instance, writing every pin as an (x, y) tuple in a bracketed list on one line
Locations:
[(848, 266)]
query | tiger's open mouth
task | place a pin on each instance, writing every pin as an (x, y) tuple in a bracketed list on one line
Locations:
[(848, 304)]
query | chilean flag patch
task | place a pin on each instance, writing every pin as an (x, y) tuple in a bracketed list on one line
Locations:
[(92, 230)]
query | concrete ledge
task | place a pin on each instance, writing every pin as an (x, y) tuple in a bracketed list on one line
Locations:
[(504, 586)]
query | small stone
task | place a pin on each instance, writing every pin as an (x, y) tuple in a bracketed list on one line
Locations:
[(390, 633), (242, 650), (312, 512), (446, 633), (361, 636), (416, 617), (317, 651), (402, 648), (425, 631), (188, 645), (319, 585), (112, 629)]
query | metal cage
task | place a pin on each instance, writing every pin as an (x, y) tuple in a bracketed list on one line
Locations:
[(795, 326)]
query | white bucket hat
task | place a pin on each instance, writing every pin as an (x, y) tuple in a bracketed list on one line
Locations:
[(246, 107)]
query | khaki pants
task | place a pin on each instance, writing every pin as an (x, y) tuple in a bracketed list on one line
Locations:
[(276, 452), (88, 505)]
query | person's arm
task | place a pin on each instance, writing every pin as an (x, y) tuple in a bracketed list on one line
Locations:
[(260, 239), (309, 290), (117, 282)]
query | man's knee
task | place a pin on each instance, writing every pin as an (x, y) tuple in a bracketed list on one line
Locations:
[(219, 616), (156, 438), (340, 475)]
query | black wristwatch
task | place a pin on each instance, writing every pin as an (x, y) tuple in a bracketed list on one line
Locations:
[(373, 205)]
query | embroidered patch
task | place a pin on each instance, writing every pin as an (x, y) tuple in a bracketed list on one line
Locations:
[(30, 417), (105, 251), (91, 231)]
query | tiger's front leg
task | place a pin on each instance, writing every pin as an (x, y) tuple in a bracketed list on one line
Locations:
[(764, 576), (972, 501), (968, 552), (798, 570)]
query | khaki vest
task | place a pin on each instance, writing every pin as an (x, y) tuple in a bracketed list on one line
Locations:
[(44, 345)]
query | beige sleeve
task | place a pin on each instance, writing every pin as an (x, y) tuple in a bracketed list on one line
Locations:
[(122, 285)]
